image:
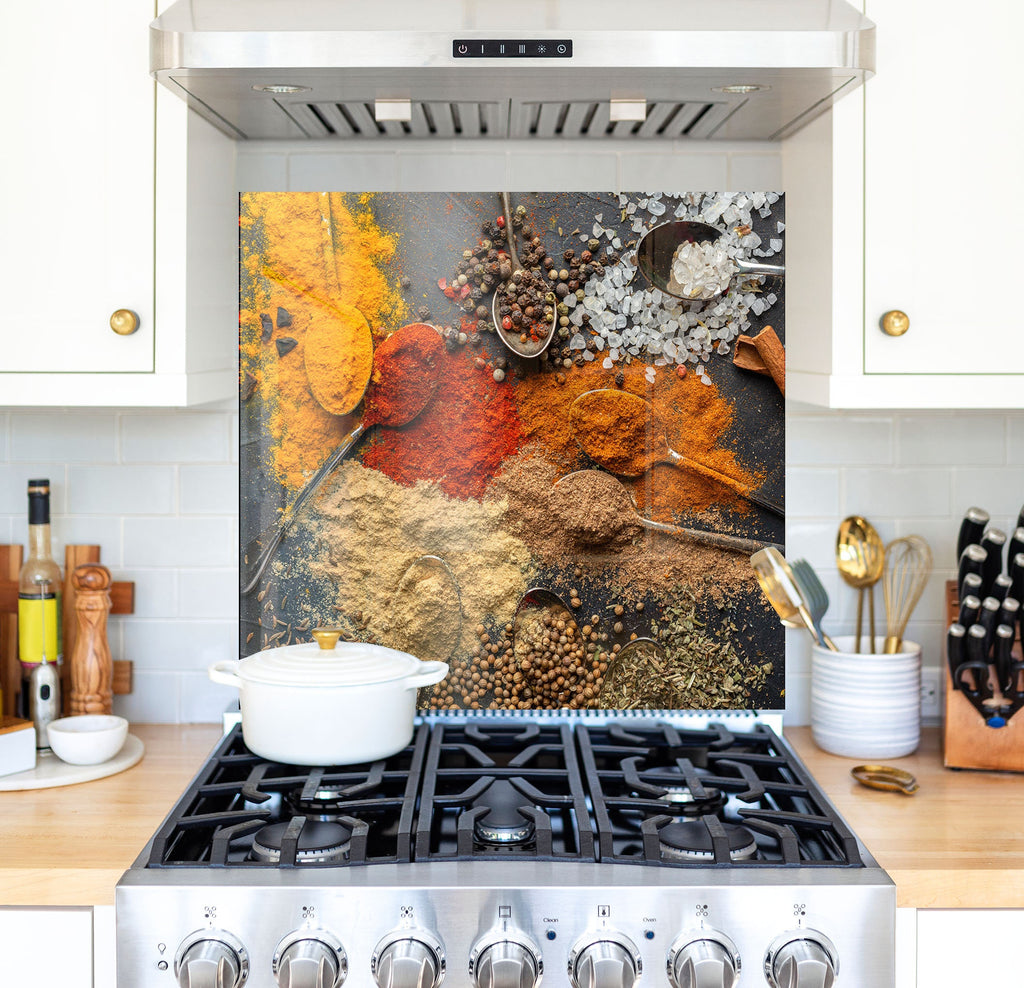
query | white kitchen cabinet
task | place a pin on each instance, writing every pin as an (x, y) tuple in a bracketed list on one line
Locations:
[(904, 198), (95, 165), (968, 947), (47, 947)]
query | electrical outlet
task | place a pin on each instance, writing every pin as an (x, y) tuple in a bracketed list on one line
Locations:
[(931, 694)]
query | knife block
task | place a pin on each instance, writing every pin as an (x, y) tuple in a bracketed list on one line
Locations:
[(967, 741)]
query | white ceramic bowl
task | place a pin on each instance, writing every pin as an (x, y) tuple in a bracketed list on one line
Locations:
[(88, 739)]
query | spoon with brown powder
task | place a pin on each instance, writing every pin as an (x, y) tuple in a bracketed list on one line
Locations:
[(401, 384), (617, 430), (595, 508), (426, 610)]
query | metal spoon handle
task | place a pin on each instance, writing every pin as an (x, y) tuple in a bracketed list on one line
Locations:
[(731, 482), (289, 513), (752, 267), (713, 539)]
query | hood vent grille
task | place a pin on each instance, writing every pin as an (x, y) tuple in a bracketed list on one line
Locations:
[(573, 119)]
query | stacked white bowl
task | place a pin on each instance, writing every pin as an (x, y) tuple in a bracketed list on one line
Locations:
[(866, 705)]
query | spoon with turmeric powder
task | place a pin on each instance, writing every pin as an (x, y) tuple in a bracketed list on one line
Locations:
[(617, 430), (401, 384), (575, 494)]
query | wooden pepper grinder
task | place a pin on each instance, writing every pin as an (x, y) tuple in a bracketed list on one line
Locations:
[(92, 670)]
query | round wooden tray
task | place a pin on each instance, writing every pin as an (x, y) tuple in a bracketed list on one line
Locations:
[(50, 771)]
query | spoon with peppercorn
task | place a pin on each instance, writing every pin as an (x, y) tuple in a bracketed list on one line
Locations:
[(517, 300), (682, 259), (402, 383)]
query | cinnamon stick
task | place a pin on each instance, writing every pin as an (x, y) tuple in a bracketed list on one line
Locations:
[(768, 356)]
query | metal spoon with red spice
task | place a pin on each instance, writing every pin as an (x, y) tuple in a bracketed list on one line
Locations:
[(402, 383)]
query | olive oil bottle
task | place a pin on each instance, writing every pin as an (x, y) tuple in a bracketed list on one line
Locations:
[(39, 593)]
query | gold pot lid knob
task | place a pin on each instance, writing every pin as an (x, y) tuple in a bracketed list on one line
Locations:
[(326, 638), (895, 322), (124, 322)]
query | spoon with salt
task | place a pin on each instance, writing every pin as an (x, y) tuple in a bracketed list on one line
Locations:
[(414, 379), (595, 415), (590, 486), (656, 254)]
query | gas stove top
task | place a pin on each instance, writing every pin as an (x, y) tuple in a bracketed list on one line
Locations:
[(501, 849)]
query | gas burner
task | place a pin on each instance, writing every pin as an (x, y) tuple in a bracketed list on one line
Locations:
[(683, 802), (502, 824), (691, 841), (319, 843), (326, 803)]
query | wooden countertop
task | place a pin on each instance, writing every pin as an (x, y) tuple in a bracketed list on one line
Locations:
[(958, 843)]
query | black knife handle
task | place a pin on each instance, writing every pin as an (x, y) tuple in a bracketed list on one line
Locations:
[(1016, 545), (988, 618), (1004, 644), (977, 644), (956, 653), (1001, 586), (970, 587), (993, 542), (973, 524), (972, 560), (1020, 517), (1009, 612), (1016, 570), (970, 608), (1011, 692)]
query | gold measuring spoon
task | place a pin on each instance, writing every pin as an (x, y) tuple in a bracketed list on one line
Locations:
[(608, 413), (408, 379), (886, 778), (577, 486), (860, 559)]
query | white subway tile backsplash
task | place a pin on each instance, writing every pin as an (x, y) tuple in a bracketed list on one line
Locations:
[(5, 421), (963, 439), (812, 493), (175, 437), (577, 169), (1015, 439), (896, 493), (121, 490), (179, 645), (14, 478), (476, 171), (76, 437), (999, 490), (817, 441), (178, 542), (203, 701), (155, 698), (210, 593), (209, 490), (101, 530), (646, 171), (156, 592)]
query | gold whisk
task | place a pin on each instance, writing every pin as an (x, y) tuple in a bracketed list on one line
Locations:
[(908, 564)]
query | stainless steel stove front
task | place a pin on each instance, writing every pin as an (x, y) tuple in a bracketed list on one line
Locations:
[(487, 924)]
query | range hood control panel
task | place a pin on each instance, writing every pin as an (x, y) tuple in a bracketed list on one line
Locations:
[(516, 48)]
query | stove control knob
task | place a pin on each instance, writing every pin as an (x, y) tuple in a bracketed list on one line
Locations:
[(505, 961), (707, 960), (801, 959), (310, 959), (211, 959), (608, 960), (408, 959)]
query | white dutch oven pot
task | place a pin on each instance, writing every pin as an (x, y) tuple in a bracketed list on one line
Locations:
[(327, 703)]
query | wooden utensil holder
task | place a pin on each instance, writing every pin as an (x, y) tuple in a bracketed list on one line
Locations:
[(968, 742)]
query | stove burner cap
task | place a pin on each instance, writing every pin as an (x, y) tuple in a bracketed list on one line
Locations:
[(502, 824), (691, 841), (319, 842), (682, 800)]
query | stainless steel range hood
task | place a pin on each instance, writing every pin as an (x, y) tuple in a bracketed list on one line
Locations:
[(406, 69)]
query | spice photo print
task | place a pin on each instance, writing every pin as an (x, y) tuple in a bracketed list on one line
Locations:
[(569, 529)]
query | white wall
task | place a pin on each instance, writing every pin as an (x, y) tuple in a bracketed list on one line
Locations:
[(158, 490)]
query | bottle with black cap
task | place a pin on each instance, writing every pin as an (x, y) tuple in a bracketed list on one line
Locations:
[(39, 610)]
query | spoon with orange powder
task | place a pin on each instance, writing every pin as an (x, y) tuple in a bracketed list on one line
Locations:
[(400, 386), (618, 431)]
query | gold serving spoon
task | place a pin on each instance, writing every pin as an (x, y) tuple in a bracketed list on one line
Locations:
[(860, 559)]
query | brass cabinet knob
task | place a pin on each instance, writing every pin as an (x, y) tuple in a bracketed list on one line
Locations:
[(895, 323), (124, 322)]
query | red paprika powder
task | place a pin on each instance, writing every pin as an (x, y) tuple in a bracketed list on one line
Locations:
[(405, 373)]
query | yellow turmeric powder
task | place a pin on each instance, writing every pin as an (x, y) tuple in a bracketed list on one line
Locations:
[(616, 430), (306, 259), (338, 354)]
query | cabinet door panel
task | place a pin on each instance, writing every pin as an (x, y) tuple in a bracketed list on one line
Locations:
[(77, 190), (43, 946), (943, 155)]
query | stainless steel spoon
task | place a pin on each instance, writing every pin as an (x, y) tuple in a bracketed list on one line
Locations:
[(510, 338), (657, 248), (776, 579)]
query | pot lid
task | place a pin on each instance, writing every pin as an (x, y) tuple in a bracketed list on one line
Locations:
[(344, 664)]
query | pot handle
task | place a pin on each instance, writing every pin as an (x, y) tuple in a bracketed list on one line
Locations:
[(430, 673), (224, 673)]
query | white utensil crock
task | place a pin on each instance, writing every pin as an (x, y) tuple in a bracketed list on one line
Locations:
[(305, 705)]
